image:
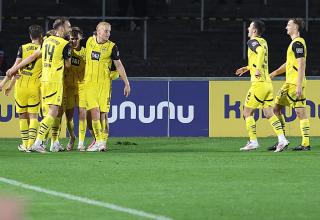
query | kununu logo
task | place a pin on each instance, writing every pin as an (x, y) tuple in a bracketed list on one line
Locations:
[(129, 110)]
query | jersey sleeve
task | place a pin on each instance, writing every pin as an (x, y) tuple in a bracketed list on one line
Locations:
[(19, 54), (66, 52), (253, 45), (115, 55), (298, 49)]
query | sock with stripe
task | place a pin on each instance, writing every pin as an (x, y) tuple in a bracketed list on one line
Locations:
[(305, 132), (45, 126), (33, 127), (277, 127), (24, 131), (55, 130)]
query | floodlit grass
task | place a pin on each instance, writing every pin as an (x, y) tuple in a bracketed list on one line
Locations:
[(181, 178)]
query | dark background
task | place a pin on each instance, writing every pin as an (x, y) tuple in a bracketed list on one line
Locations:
[(176, 47)]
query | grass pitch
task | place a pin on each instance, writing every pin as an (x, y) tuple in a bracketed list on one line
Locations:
[(180, 178)]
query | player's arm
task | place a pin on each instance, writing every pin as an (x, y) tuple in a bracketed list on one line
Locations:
[(242, 70), (67, 55), (12, 71), (279, 71), (299, 53), (7, 78), (115, 56), (18, 60), (11, 85)]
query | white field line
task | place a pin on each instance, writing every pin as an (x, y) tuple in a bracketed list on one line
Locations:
[(85, 200)]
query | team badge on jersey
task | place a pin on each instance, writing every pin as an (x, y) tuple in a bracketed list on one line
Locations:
[(95, 55)]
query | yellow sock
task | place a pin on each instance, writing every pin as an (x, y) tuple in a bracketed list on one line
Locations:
[(103, 130), (55, 130), (283, 122), (251, 128), (305, 132), (70, 126), (276, 125), (96, 125), (32, 131), (24, 131), (45, 126), (82, 130)]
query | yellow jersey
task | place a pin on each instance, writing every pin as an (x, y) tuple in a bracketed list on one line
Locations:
[(54, 51), (30, 74), (75, 74), (258, 59), (297, 49), (99, 59)]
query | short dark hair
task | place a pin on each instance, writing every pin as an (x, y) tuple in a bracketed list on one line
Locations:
[(59, 22), (259, 26), (35, 31), (299, 22), (75, 31)]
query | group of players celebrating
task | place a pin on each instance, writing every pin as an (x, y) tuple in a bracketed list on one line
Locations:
[(292, 93), (61, 71)]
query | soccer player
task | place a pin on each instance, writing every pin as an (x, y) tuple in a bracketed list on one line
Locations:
[(292, 93), (56, 54), (74, 91), (260, 94), (100, 53), (27, 89)]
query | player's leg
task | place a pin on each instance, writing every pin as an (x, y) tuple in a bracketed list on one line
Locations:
[(96, 126), (55, 132), (277, 128), (250, 105), (21, 104), (33, 111), (33, 128), (251, 129), (301, 110), (24, 130), (82, 128), (89, 124), (71, 101), (52, 96)]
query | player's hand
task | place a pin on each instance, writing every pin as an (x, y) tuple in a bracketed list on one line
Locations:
[(241, 71), (257, 74), (272, 75), (299, 92), (126, 90), (7, 91), (9, 73)]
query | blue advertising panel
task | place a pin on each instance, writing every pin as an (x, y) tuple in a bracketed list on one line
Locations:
[(143, 113), (189, 115)]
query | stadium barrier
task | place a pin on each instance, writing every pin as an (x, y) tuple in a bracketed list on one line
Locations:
[(182, 107)]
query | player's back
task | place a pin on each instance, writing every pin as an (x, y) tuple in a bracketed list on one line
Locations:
[(52, 59), (30, 74)]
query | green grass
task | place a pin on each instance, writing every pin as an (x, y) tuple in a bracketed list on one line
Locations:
[(181, 178)]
